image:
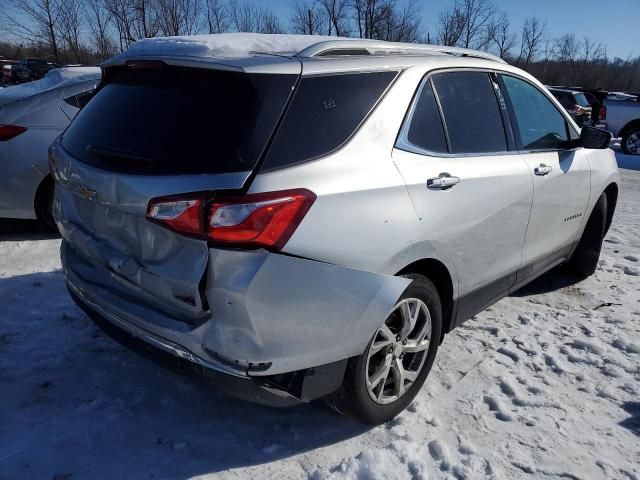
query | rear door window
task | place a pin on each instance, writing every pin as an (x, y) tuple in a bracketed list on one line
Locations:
[(178, 120), (324, 112), (539, 124), (471, 113)]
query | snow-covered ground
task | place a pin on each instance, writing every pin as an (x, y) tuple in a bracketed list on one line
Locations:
[(545, 384)]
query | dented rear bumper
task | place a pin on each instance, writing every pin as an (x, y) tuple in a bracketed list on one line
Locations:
[(272, 319)]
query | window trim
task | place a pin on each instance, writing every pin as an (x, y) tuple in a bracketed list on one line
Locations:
[(514, 122), (402, 139)]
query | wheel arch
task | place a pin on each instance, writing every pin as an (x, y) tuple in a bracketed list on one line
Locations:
[(612, 199), (45, 184), (629, 127), (439, 274)]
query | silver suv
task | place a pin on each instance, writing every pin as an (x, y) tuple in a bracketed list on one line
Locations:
[(311, 220)]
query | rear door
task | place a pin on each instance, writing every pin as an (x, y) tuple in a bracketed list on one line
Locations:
[(561, 176), (471, 190), (155, 132)]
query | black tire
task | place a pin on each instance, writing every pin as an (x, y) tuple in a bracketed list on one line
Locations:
[(625, 138), (44, 203), (584, 260), (352, 398)]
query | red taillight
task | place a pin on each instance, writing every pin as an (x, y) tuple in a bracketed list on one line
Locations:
[(603, 112), (258, 220), (181, 214), (7, 132)]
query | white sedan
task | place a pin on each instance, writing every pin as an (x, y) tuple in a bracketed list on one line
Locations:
[(32, 115)]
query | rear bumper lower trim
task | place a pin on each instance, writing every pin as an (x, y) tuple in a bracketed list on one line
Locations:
[(85, 302), (179, 360)]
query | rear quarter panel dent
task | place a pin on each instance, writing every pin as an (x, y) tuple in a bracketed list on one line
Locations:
[(293, 312)]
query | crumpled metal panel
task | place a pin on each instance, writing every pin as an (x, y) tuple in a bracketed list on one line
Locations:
[(292, 313), (102, 214)]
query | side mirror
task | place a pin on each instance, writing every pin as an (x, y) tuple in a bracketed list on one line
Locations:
[(595, 138)]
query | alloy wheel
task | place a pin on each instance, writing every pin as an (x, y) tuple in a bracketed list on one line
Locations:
[(398, 351), (633, 143)]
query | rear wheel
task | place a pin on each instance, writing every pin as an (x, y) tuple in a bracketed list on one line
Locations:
[(383, 381), (44, 203), (631, 141), (584, 260)]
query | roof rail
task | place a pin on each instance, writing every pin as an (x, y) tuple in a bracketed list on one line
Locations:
[(347, 46)]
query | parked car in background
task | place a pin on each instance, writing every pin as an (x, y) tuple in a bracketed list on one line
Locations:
[(623, 120), (596, 99), (310, 224), (8, 72), (32, 115), (30, 69), (622, 96), (575, 103)]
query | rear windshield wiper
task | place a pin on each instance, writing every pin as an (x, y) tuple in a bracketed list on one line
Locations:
[(116, 154)]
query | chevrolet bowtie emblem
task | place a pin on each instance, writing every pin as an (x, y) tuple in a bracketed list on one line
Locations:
[(86, 192)]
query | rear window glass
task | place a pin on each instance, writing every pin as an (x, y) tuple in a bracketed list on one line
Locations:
[(324, 112), (581, 100), (471, 113), (178, 120)]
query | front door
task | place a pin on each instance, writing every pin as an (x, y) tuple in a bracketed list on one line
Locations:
[(561, 176)]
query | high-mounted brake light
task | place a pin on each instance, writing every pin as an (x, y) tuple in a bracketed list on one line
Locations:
[(261, 220), (147, 64), (7, 132)]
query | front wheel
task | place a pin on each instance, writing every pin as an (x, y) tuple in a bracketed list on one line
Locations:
[(383, 381)]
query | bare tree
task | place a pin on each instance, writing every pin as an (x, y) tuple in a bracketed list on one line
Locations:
[(478, 16), (242, 16), (246, 17), (118, 10), (501, 36), (384, 20), (179, 17), (567, 48), (133, 19), (403, 25), (335, 15), (369, 16), (70, 29), (267, 22), (307, 18), (217, 16), (451, 24), (531, 41), (98, 23), (146, 23), (35, 21), (592, 51), (468, 24)]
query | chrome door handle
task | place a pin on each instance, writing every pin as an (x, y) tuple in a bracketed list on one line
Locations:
[(543, 170), (444, 181)]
